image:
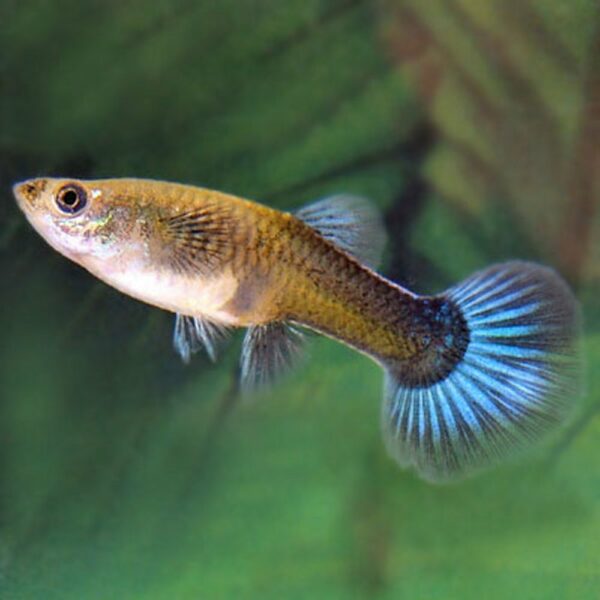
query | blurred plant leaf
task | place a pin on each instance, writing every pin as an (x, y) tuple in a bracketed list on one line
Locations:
[(513, 89)]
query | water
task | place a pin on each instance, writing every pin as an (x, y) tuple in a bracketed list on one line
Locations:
[(125, 474)]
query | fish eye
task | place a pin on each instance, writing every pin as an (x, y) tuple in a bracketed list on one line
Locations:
[(71, 199)]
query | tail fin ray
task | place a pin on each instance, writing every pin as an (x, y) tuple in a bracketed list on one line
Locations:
[(517, 379)]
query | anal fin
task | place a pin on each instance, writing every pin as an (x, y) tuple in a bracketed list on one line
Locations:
[(268, 352)]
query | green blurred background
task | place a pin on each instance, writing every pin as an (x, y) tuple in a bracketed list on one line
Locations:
[(475, 125)]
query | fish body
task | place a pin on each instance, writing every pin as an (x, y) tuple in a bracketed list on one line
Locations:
[(471, 374), (252, 265)]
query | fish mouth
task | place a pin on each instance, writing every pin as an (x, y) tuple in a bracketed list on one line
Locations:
[(28, 191), (18, 192)]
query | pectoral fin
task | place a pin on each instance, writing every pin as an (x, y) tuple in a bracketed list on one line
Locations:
[(198, 241), (193, 333), (268, 352)]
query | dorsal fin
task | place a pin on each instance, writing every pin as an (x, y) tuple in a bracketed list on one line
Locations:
[(269, 351), (350, 222), (194, 333)]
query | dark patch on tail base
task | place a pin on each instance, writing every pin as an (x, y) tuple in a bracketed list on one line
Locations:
[(443, 334)]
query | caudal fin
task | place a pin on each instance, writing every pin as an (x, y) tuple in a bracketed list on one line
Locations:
[(516, 379)]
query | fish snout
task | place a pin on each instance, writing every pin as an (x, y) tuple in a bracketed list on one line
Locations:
[(28, 192)]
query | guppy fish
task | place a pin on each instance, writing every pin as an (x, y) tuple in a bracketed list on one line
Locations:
[(471, 375)]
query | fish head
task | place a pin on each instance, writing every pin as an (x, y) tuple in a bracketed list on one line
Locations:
[(137, 235), (78, 218)]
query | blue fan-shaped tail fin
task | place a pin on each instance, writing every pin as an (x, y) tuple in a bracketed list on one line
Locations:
[(502, 371)]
